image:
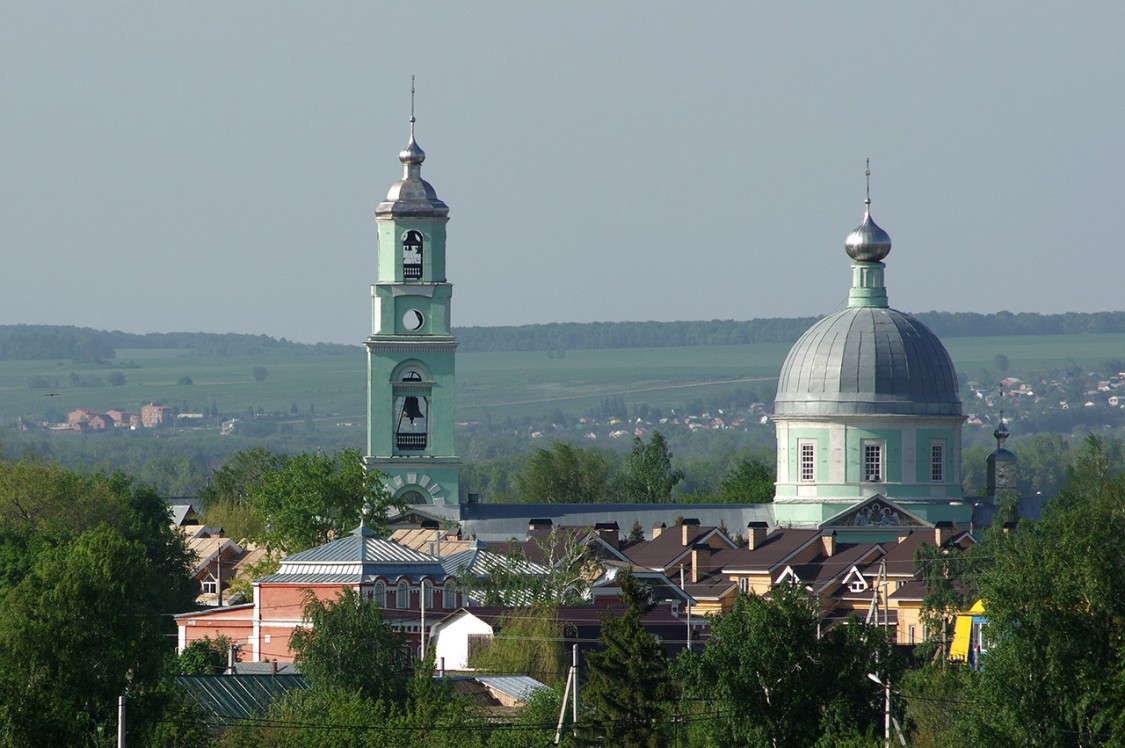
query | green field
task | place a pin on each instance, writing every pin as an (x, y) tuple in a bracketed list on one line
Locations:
[(331, 388)]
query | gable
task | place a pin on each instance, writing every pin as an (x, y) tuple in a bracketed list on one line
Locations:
[(876, 512)]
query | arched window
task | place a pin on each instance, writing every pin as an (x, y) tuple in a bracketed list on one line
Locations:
[(402, 596), (448, 596), (381, 594), (412, 497), (412, 255), (429, 596)]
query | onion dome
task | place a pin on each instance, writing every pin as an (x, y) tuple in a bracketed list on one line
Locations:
[(868, 242), (412, 153)]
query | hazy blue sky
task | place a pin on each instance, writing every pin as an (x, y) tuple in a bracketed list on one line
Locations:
[(215, 166)]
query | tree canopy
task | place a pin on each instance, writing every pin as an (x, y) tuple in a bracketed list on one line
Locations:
[(566, 473)]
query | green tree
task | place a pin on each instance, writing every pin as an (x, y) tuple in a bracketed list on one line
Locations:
[(311, 498), (80, 629), (349, 644), (260, 373), (204, 656), (628, 691), (565, 473), (750, 482), (529, 642), (1055, 673), (776, 683), (649, 477)]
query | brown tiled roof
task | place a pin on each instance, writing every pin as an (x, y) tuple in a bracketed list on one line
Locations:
[(662, 552), (778, 547)]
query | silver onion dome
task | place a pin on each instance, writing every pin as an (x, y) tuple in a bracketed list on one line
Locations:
[(412, 154), (868, 242)]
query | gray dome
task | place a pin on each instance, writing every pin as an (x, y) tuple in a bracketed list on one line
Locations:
[(868, 360)]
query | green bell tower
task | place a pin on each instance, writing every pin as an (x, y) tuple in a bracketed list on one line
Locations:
[(410, 352)]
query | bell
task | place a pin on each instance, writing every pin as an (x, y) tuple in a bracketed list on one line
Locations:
[(411, 410)]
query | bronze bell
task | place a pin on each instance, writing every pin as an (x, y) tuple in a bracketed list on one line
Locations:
[(411, 410)]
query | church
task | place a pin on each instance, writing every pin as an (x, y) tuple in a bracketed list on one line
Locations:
[(867, 415)]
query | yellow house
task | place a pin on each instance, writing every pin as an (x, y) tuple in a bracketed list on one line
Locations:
[(970, 635)]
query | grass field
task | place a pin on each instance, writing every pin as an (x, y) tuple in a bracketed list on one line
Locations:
[(502, 385)]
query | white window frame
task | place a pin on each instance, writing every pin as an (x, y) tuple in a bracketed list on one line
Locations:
[(937, 460), (874, 453), (806, 461)]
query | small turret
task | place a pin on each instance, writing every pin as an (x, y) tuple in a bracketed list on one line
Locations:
[(1001, 465)]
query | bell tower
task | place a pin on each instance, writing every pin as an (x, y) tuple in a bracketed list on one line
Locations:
[(410, 352)]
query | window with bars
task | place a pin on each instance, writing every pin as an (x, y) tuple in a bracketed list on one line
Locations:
[(937, 461), (808, 462), (873, 462)]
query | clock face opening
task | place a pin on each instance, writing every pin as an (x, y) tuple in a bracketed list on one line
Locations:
[(413, 320)]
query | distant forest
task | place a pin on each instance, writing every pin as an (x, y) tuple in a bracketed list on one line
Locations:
[(27, 342), (565, 336)]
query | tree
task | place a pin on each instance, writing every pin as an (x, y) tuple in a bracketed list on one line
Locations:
[(750, 482), (311, 498), (561, 575), (1000, 361), (204, 656), (649, 476), (565, 473), (1055, 671), (348, 644), (80, 629), (628, 691), (777, 683), (260, 373), (528, 641)]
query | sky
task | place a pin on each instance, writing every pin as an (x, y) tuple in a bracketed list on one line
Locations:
[(215, 166)]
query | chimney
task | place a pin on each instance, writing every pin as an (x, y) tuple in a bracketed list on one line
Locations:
[(756, 534), (943, 531), (609, 532), (273, 666), (829, 543), (688, 530), (700, 561), (656, 530)]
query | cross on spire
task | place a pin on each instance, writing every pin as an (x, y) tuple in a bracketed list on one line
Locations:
[(867, 174)]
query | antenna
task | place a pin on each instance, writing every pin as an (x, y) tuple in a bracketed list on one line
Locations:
[(866, 173)]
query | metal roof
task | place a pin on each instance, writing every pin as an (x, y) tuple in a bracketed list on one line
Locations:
[(234, 697), (865, 361)]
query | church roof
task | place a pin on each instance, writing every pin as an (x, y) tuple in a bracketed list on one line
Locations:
[(868, 360)]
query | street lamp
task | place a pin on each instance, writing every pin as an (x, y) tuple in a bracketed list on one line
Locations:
[(886, 712)]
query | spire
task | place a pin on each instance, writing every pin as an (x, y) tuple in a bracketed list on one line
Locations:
[(412, 154), (867, 245)]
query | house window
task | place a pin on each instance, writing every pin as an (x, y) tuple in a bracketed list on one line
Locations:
[(381, 594), (872, 462), (448, 597), (858, 586), (910, 634), (744, 585), (412, 255), (937, 461), (429, 595), (402, 596), (210, 587), (808, 461)]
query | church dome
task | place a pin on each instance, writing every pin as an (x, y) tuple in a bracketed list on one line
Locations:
[(866, 361), (868, 242)]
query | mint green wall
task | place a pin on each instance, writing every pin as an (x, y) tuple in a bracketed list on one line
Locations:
[(389, 263), (892, 453)]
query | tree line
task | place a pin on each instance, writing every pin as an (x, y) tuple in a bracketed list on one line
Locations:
[(563, 336), (84, 344)]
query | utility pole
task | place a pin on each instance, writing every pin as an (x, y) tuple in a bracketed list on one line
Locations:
[(121, 721), (422, 633), (571, 691)]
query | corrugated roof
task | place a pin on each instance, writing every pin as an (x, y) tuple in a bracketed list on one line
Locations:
[(361, 546), (234, 697), (521, 687)]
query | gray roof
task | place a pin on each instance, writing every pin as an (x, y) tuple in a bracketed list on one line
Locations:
[(357, 558), (520, 687), (866, 361), (502, 522), (225, 698)]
